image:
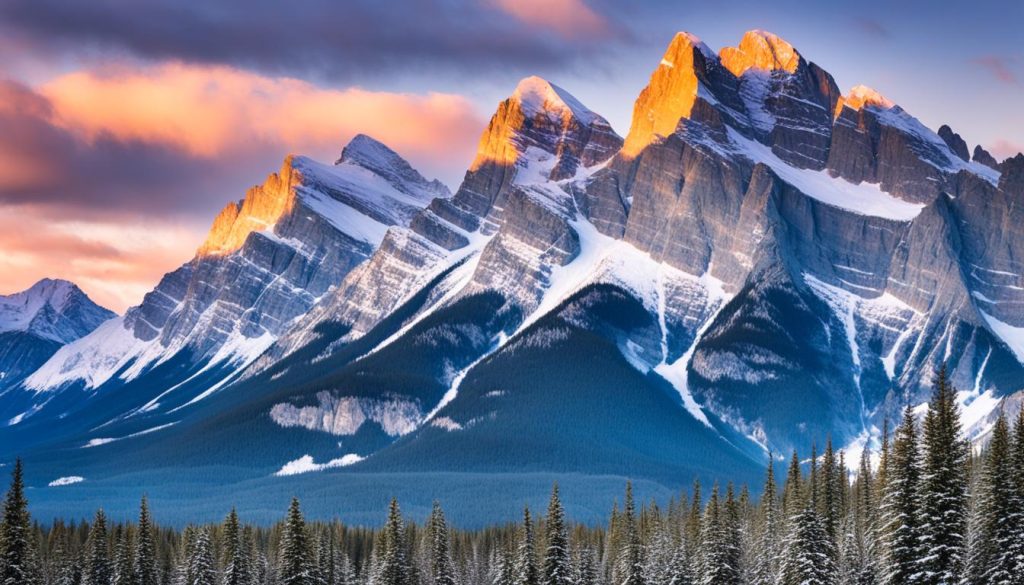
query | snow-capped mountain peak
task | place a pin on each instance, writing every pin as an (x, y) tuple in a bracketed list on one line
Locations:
[(375, 156), (759, 49), (861, 96), (537, 95), (53, 309)]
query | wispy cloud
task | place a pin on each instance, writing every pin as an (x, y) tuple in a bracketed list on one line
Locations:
[(569, 18), (1001, 67), (873, 27), (1003, 148)]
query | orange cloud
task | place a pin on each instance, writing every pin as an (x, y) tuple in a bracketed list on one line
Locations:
[(569, 18), (115, 262), (212, 110)]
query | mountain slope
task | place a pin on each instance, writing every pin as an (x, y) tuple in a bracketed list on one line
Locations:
[(36, 322)]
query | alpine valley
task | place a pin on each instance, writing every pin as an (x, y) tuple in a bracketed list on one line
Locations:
[(763, 262)]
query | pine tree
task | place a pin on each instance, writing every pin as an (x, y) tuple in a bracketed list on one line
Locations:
[(442, 569), (505, 572), (900, 506), (809, 552), (526, 564), (864, 523), (394, 566), (18, 562), (716, 566), (124, 560), (585, 567), (557, 568), (295, 565), (943, 488), (631, 560), (235, 562), (97, 568), (145, 548), (1001, 518), (830, 505), (692, 530), (792, 496), (201, 568), (768, 560)]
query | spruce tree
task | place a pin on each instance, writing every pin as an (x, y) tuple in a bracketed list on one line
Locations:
[(585, 568), (201, 568), (792, 496), (631, 558), (943, 514), (18, 562), (97, 568), (1001, 519), (235, 562), (865, 523), (394, 566), (557, 567), (145, 548), (295, 563), (526, 563), (809, 553), (716, 567), (770, 538), (442, 569), (124, 561), (900, 506)]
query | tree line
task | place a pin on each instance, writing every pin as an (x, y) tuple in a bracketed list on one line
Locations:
[(931, 511)]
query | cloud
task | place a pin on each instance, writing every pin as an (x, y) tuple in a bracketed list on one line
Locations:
[(208, 111), (321, 38), (873, 27), (110, 178), (1003, 149), (116, 262), (572, 19), (1001, 67)]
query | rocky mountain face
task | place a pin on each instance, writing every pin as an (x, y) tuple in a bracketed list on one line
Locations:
[(36, 322), (762, 262), (267, 260)]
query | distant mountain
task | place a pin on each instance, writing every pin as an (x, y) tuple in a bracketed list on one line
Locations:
[(761, 263), (36, 322)]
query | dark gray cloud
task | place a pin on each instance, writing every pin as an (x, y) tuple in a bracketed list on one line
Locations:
[(306, 38)]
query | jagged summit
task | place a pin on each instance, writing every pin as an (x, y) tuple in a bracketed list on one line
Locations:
[(763, 50), (375, 156), (671, 92), (536, 95), (53, 309), (862, 96)]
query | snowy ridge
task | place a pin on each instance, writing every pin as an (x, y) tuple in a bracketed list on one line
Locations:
[(539, 96), (41, 310)]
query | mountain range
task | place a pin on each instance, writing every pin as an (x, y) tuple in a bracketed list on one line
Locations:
[(761, 263)]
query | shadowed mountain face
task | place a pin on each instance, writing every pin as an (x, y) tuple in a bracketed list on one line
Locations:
[(762, 262), (36, 322)]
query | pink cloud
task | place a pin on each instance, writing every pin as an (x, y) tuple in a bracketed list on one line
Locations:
[(1003, 149), (999, 66), (116, 262), (569, 18), (209, 111)]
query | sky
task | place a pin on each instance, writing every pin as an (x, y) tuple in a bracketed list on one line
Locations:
[(125, 125)]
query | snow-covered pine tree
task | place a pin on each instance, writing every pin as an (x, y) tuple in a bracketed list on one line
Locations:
[(715, 564), (235, 565), (900, 506), (442, 568), (692, 530), (1001, 520), (792, 491), (557, 566), (585, 567), (631, 557), (943, 512), (393, 564), (201, 564), (18, 561), (830, 492), (526, 557), (809, 556), (732, 533), (97, 567), (770, 533), (294, 559), (124, 559), (865, 521), (145, 548)]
